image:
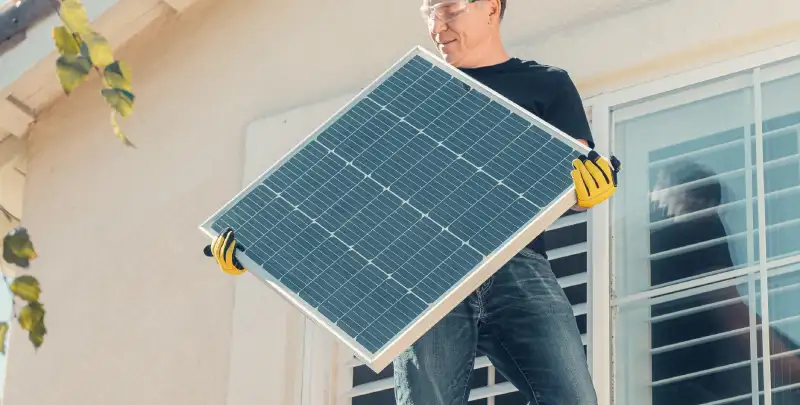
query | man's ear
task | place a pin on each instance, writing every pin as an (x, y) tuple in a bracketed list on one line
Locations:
[(495, 8)]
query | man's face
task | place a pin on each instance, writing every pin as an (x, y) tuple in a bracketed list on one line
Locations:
[(460, 27)]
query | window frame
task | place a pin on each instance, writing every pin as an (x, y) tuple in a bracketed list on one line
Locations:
[(761, 66)]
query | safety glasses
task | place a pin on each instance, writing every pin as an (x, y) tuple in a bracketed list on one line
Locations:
[(444, 11)]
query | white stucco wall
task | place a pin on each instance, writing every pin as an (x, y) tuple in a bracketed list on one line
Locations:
[(136, 313)]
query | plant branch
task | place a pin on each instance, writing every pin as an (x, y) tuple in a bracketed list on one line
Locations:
[(8, 214)]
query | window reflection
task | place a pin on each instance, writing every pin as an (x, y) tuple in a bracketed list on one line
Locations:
[(784, 317), (692, 351), (687, 195), (693, 195), (781, 130), (702, 344)]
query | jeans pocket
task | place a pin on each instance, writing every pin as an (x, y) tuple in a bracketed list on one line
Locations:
[(530, 254)]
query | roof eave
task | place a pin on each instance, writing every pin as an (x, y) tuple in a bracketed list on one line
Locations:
[(30, 84)]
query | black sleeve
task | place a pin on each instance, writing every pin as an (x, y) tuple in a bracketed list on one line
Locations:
[(566, 112)]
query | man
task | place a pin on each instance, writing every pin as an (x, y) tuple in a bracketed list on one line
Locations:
[(520, 318)]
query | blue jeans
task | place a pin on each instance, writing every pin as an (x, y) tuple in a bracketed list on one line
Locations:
[(522, 321)]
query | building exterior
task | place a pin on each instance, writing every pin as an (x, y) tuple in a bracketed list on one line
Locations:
[(696, 257)]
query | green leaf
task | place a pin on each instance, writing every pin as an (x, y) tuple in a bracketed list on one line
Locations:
[(66, 43), (36, 336), (100, 52), (3, 335), (120, 100), (118, 75), (118, 131), (84, 48), (31, 316), (74, 16), (72, 70), (18, 248), (26, 287)]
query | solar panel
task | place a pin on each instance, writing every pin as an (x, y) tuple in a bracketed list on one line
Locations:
[(403, 203)]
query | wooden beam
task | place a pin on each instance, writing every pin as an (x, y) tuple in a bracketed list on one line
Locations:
[(180, 5), (38, 87)]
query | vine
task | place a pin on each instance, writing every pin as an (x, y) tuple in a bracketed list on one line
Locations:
[(18, 250), (83, 50)]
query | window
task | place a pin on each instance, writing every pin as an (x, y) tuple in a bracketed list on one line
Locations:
[(566, 242), (706, 251)]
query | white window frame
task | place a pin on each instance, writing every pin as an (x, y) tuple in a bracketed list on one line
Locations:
[(601, 283)]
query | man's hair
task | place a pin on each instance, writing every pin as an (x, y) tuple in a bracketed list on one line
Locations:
[(502, 8), (708, 192)]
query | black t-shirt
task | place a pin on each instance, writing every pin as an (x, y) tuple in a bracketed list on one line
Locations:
[(545, 91)]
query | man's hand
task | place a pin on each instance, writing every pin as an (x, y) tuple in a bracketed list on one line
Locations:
[(223, 249), (595, 181)]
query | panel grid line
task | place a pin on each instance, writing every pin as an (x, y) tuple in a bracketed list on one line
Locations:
[(406, 202), (332, 234), (479, 169), (387, 189), (390, 308)]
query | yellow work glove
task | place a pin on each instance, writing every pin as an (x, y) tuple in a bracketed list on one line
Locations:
[(223, 250), (595, 180)]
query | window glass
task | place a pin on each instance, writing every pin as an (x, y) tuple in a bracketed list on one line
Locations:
[(781, 127), (685, 208), (690, 347), (781, 110), (784, 336)]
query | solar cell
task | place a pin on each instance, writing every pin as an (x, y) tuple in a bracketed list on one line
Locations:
[(400, 205)]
